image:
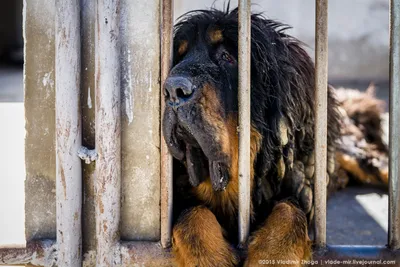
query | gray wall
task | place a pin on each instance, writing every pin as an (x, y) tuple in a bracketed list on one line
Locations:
[(358, 32)]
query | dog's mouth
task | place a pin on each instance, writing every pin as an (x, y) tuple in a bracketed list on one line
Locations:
[(199, 150)]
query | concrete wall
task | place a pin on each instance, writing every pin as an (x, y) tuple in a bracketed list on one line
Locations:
[(40, 206), (358, 31), (140, 57)]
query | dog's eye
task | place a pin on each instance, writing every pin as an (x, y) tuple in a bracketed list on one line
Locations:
[(226, 57)]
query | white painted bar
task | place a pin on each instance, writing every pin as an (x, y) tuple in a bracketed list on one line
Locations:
[(321, 124), (108, 131), (68, 133), (244, 118)]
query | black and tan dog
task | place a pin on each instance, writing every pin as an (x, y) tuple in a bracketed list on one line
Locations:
[(200, 128)]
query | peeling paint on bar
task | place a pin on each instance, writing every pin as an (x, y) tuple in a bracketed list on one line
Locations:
[(321, 102), (108, 131), (68, 133), (394, 127), (166, 158), (244, 119), (38, 253), (44, 253), (144, 254)]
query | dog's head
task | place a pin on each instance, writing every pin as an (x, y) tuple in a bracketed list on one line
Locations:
[(201, 114), (201, 98)]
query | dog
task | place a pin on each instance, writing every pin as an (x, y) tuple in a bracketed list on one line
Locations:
[(200, 129)]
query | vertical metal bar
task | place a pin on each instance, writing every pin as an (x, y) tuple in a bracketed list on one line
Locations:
[(108, 130), (166, 158), (244, 118), (68, 133), (394, 132), (321, 99)]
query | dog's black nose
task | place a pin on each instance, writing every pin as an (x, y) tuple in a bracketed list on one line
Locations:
[(178, 90)]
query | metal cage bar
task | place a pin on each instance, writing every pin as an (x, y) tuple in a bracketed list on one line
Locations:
[(166, 158), (394, 132), (244, 118), (68, 133), (108, 131), (321, 99)]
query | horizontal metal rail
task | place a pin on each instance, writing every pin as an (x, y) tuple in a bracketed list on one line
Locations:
[(44, 253), (38, 253), (144, 254)]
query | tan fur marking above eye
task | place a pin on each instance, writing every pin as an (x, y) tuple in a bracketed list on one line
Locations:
[(216, 36), (183, 45)]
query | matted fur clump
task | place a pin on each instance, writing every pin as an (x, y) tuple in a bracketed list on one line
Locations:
[(200, 129)]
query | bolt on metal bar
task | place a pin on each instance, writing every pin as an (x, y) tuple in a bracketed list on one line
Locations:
[(68, 133), (166, 158), (244, 118), (108, 131), (394, 132), (321, 99)]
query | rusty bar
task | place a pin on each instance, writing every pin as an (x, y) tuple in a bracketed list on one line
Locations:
[(244, 118), (166, 158), (38, 253), (356, 256), (144, 254), (108, 131), (394, 132), (321, 99), (68, 133)]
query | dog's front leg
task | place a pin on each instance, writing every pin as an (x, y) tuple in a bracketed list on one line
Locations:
[(282, 240), (198, 241)]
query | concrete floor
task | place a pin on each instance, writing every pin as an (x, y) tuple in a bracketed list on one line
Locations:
[(358, 216), (355, 215)]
